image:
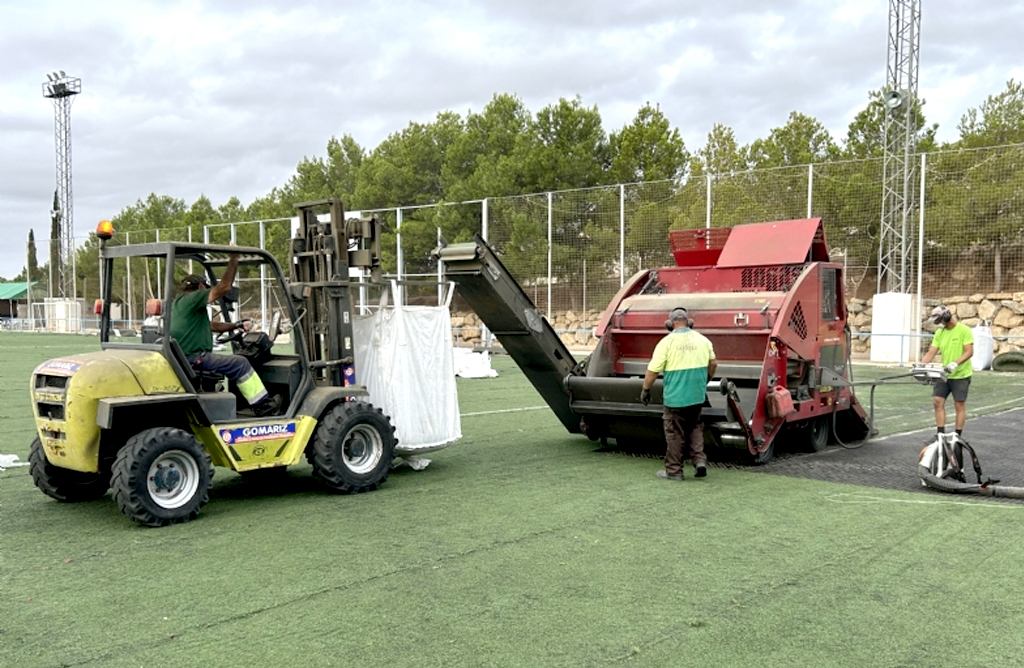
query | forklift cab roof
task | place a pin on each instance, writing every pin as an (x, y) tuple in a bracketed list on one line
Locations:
[(207, 254)]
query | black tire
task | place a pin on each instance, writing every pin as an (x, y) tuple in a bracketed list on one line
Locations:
[(816, 433), (64, 485), (353, 447), (162, 476)]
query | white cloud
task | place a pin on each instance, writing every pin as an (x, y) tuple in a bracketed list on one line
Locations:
[(224, 97)]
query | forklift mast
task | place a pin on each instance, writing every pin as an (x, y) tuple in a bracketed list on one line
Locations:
[(323, 252)]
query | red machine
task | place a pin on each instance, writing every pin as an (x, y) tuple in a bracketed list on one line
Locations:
[(772, 305), (765, 294)]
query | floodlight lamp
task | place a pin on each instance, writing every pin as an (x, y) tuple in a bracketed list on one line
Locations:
[(49, 77), (62, 75), (893, 100)]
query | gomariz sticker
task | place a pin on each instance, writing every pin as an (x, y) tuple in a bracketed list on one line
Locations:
[(263, 432)]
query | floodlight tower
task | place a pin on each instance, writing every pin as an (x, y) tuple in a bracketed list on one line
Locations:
[(61, 89), (900, 128)]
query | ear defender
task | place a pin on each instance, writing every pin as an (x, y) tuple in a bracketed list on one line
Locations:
[(678, 313)]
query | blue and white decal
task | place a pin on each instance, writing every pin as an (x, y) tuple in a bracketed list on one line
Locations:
[(263, 432), (58, 367)]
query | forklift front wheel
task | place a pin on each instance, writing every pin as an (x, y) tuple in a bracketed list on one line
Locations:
[(162, 476), (353, 447)]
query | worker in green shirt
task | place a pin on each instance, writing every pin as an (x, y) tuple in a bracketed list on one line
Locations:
[(191, 327), (954, 342)]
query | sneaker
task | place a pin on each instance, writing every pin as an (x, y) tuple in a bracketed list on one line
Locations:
[(269, 406), (663, 474), (702, 470)]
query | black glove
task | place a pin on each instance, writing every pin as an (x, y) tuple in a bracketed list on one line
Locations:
[(645, 396)]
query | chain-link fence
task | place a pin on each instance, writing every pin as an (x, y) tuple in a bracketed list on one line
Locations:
[(572, 250)]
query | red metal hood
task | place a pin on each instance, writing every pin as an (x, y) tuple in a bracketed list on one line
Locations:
[(781, 242)]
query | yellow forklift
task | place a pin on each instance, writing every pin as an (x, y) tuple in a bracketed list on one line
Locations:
[(136, 418)]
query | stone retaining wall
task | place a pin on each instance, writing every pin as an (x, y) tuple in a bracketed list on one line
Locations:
[(575, 329)]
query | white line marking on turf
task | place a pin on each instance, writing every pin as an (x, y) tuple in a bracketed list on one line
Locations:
[(864, 498), (503, 410), (970, 416)]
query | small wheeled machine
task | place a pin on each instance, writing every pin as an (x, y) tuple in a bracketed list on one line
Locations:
[(942, 465)]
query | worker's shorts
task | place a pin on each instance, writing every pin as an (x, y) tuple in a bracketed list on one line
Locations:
[(955, 386)]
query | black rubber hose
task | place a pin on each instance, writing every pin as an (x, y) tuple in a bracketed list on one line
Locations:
[(954, 487), (946, 485)]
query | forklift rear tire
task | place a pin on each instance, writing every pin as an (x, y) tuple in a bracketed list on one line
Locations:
[(62, 484), (162, 476), (353, 447)]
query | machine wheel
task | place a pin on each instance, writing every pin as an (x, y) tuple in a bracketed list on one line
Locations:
[(765, 456), (162, 476), (353, 447), (64, 485), (814, 436)]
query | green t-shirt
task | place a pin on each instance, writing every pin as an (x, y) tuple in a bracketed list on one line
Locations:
[(190, 322), (951, 343), (683, 357)]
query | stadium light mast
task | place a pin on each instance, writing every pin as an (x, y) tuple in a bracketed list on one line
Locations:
[(61, 89), (895, 246)]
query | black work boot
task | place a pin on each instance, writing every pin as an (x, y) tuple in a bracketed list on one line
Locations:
[(702, 469), (269, 406)]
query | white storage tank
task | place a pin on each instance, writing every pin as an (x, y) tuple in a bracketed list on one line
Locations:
[(984, 346)]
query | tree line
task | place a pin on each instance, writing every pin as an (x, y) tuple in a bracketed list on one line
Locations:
[(507, 150)]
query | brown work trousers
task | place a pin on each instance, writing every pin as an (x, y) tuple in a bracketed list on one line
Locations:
[(683, 426)]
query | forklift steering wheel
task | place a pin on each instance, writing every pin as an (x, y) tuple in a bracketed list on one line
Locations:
[(235, 334)]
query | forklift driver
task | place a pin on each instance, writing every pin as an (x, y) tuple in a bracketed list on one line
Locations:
[(191, 327)]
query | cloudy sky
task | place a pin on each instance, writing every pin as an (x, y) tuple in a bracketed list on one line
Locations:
[(224, 97)]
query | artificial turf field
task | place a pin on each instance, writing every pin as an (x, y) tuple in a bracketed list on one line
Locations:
[(520, 545)]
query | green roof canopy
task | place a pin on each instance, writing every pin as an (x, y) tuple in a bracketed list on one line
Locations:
[(14, 291)]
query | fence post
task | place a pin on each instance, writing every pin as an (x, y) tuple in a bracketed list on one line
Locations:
[(440, 273), (920, 260), (707, 215), (128, 270), (810, 188), (263, 275), (485, 221), (549, 254), (622, 235), (159, 272), (400, 259)]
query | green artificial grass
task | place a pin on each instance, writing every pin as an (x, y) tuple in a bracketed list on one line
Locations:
[(520, 545)]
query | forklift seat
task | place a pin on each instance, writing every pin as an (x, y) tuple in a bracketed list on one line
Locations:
[(195, 376)]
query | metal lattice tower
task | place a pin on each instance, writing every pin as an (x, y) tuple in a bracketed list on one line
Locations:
[(895, 248), (61, 89)]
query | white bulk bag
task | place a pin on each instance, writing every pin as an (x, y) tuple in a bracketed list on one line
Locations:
[(404, 358)]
